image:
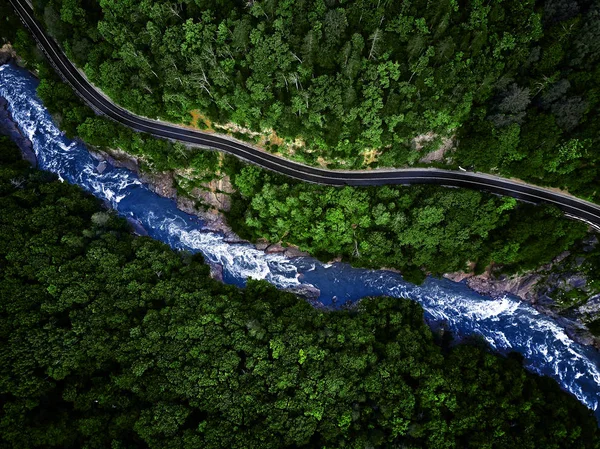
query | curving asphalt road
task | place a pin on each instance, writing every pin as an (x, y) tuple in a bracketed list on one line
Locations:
[(571, 206)]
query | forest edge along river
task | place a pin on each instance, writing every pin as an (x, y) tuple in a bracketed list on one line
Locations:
[(573, 207), (507, 324)]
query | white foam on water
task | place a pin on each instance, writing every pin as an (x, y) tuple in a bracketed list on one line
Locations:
[(505, 323), (443, 305), (241, 261), (546, 346), (561, 354)]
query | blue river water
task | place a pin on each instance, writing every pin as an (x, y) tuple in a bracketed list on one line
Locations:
[(507, 324)]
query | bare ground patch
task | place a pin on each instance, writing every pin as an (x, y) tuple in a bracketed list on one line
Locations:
[(438, 153)]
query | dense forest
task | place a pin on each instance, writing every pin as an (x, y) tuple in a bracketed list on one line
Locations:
[(413, 228), (417, 229), (515, 82), (111, 340)]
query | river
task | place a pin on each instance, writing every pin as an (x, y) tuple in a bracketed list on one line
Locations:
[(507, 324)]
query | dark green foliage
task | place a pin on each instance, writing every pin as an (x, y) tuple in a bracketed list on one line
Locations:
[(550, 140), (9, 23), (345, 77), (408, 228), (107, 340), (412, 229), (12, 32), (584, 260), (78, 120), (516, 81), (594, 327)]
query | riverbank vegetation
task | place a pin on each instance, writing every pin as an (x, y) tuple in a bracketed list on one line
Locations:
[(111, 340), (513, 82), (417, 230), (77, 120)]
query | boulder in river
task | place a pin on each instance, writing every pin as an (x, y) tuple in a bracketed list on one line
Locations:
[(101, 167), (137, 227), (274, 248), (7, 54), (306, 291), (292, 252), (262, 245)]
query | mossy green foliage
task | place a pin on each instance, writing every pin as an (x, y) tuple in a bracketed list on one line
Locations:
[(542, 123), (77, 120), (109, 340), (344, 76), (417, 229), (410, 228), (583, 261), (515, 81)]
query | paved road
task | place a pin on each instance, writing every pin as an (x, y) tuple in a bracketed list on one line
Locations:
[(572, 207)]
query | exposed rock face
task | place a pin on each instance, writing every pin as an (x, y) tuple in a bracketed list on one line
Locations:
[(275, 248), (458, 276), (288, 251), (214, 221), (161, 183), (217, 193), (590, 310), (7, 54), (216, 272), (117, 158), (590, 243), (214, 197), (576, 281), (292, 252), (575, 330), (521, 286), (537, 287), (438, 154), (101, 167), (137, 227), (308, 292), (262, 245)]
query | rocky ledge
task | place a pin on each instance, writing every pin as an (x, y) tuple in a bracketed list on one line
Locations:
[(7, 54), (163, 183), (289, 251), (536, 288)]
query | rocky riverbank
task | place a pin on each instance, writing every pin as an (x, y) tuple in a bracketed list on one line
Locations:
[(7, 54), (532, 287), (538, 288), (163, 183), (529, 287), (7, 126), (526, 286)]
